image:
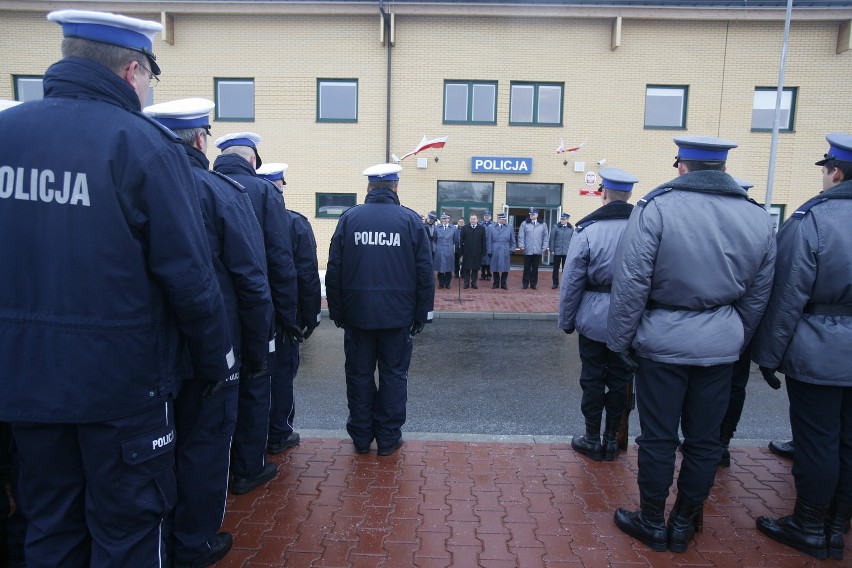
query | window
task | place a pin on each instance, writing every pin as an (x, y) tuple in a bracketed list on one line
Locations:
[(538, 104), (763, 108), (234, 99), (538, 194), (337, 100), (776, 212), (332, 205), (470, 102), (665, 106), (461, 199), (28, 88)]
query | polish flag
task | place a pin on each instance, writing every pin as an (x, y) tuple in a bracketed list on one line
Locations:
[(562, 149), (425, 144)]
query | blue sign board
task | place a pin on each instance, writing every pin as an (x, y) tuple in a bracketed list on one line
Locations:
[(497, 165)]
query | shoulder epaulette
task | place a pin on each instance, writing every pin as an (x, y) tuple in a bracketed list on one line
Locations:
[(580, 226), (647, 199), (231, 181), (297, 214), (803, 210)]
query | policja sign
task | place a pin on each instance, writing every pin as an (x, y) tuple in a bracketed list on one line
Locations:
[(497, 165)]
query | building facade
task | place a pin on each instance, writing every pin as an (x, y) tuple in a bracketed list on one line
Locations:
[(334, 87)]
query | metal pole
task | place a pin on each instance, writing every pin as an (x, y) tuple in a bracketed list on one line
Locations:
[(776, 121), (386, 20)]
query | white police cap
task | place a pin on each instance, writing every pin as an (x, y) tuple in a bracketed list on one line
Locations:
[(273, 171), (114, 29), (839, 148), (746, 185), (182, 113), (380, 172), (616, 179), (249, 139), (4, 104), (444, 216)]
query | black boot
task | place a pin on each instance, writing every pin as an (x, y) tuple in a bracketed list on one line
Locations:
[(503, 283), (610, 445), (725, 434), (804, 530), (836, 523), (496, 283), (686, 519), (646, 524), (590, 444)]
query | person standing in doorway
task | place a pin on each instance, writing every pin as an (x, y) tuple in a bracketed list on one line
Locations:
[(473, 247), (501, 244), (532, 240), (560, 238)]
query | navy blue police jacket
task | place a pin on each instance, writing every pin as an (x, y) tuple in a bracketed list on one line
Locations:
[(307, 270), (268, 204), (379, 272), (236, 244), (104, 260)]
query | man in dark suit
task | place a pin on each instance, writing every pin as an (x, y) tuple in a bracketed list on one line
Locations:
[(472, 248)]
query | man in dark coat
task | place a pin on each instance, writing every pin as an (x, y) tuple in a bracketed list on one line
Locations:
[(472, 247)]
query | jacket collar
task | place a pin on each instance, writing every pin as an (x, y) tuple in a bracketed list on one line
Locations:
[(76, 77), (197, 159), (233, 164), (612, 210), (707, 181), (382, 196)]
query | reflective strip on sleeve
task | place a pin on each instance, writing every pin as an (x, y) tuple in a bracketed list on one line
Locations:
[(272, 345), (229, 358)]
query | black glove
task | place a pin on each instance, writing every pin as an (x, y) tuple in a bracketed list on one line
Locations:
[(568, 331), (770, 378), (252, 370), (293, 335), (308, 331), (339, 323), (416, 328), (211, 388)]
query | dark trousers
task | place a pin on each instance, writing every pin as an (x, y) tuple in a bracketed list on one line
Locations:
[(458, 265), (248, 451), (283, 402), (96, 494), (558, 264), (694, 397), (821, 420), (739, 380), (486, 270), (531, 262), (470, 275), (12, 528), (376, 412), (204, 432), (444, 279), (604, 379)]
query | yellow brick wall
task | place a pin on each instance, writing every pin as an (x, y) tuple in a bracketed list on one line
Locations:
[(721, 62)]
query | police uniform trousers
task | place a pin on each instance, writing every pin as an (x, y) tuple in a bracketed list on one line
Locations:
[(739, 380), (604, 379), (13, 527), (96, 494), (558, 264), (283, 402), (696, 398), (376, 412), (821, 420), (248, 451), (204, 430), (530, 275)]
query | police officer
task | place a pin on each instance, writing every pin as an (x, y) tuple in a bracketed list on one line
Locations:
[(239, 160), (283, 409), (92, 343), (487, 223), (429, 225), (584, 305), (560, 239), (533, 240), (807, 335), (380, 290), (446, 244), (205, 427), (687, 321), (500, 243)]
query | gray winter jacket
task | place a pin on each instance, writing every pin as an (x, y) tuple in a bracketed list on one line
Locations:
[(560, 238), (532, 237), (501, 245), (813, 273), (583, 298), (446, 245), (693, 272)]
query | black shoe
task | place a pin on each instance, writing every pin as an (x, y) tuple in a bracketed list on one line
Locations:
[(725, 460), (389, 450), (276, 448), (646, 524), (609, 443), (590, 444), (836, 523), (526, 286), (362, 451), (554, 287), (783, 449), (220, 546), (466, 286), (532, 286), (242, 485), (495, 285), (686, 518), (803, 530), (503, 286), (474, 286)]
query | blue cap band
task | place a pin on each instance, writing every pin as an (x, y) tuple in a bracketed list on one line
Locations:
[(272, 177), (616, 186), (388, 177), (840, 153), (108, 34), (702, 154), (183, 123), (237, 142)]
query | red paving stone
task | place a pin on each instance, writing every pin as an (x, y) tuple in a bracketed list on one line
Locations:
[(490, 504)]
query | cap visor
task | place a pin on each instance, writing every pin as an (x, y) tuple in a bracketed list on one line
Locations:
[(821, 162), (259, 161)]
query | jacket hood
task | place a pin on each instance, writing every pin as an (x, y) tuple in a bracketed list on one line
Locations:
[(707, 181)]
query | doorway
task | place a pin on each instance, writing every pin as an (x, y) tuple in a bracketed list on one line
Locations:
[(518, 215)]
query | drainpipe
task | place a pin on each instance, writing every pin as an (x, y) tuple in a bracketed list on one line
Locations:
[(387, 24)]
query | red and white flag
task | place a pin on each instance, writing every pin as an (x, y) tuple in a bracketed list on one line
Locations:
[(562, 149), (424, 145)]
